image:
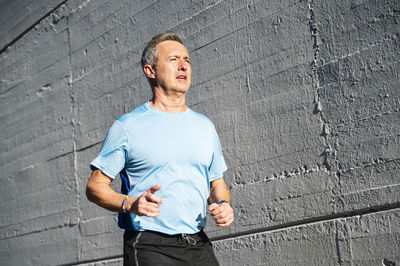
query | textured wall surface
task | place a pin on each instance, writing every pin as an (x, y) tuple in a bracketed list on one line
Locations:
[(305, 96)]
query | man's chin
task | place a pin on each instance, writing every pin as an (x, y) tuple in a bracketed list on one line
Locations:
[(181, 90)]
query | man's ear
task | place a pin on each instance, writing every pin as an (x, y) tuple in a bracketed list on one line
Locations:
[(149, 71)]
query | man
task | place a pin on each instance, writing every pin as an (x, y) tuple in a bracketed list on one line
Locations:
[(170, 162)]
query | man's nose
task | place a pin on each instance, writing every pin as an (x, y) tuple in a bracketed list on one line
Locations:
[(183, 66)]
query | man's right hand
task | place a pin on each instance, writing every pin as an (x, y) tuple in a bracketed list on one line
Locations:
[(145, 205)]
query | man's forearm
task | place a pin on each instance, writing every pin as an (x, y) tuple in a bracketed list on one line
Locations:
[(106, 197), (222, 213), (99, 192), (219, 192)]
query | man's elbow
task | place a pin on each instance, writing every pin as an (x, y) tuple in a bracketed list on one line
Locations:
[(90, 192)]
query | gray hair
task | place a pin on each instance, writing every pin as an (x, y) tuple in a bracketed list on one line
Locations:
[(149, 56)]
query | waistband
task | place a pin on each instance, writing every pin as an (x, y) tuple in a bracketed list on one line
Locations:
[(190, 238)]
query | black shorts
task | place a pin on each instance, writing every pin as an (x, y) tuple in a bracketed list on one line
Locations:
[(150, 248)]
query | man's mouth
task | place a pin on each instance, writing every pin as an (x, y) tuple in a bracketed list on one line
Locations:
[(181, 77)]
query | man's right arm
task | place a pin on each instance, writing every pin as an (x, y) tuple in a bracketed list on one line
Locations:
[(99, 191)]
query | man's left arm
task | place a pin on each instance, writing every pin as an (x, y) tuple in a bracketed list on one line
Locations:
[(219, 201)]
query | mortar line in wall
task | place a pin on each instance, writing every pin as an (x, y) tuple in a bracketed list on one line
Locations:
[(73, 102), (197, 13), (329, 152), (76, 150), (73, 125), (84, 262), (250, 64), (337, 243), (367, 164), (250, 23), (66, 154), (366, 48), (31, 27), (309, 221)]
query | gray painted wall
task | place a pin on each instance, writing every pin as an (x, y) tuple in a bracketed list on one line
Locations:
[(305, 96)]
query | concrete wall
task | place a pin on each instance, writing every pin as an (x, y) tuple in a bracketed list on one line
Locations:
[(305, 96)]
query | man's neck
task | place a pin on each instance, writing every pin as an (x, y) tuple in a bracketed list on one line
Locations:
[(174, 103)]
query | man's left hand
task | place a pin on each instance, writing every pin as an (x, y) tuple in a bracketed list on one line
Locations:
[(222, 213)]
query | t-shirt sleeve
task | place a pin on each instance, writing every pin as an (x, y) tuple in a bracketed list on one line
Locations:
[(218, 165), (111, 158)]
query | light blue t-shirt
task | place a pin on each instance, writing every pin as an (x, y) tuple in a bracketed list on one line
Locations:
[(180, 151)]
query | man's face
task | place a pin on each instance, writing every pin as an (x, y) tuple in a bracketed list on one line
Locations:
[(173, 70)]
